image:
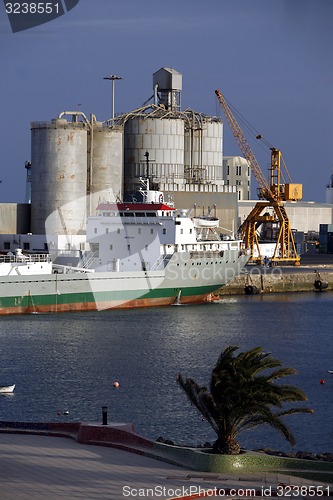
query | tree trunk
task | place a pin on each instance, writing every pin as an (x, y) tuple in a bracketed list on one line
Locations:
[(226, 446)]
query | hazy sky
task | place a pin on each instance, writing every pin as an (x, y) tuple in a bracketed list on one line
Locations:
[(272, 59)]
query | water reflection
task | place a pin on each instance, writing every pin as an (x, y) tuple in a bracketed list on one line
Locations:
[(70, 361)]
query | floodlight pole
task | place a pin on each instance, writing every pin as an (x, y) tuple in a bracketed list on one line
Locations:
[(112, 78)]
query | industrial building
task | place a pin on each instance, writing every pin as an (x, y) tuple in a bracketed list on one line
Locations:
[(180, 152), (78, 162), (236, 172)]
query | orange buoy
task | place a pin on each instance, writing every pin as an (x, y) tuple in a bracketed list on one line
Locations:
[(116, 385), (322, 381)]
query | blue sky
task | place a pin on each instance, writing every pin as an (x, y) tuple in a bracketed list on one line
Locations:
[(272, 59)]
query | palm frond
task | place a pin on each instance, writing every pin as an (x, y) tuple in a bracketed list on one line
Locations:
[(243, 394)]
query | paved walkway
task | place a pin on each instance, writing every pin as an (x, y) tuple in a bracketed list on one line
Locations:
[(43, 467)]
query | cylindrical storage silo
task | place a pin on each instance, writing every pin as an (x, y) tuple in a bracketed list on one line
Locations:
[(203, 148), (106, 170), (163, 140), (58, 176)]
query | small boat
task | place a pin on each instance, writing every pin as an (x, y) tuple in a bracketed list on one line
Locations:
[(330, 371), (7, 389)]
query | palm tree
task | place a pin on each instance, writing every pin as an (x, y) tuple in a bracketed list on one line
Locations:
[(243, 394)]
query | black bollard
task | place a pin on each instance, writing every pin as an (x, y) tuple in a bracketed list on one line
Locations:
[(104, 415)]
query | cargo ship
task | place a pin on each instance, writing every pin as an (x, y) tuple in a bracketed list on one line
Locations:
[(138, 255)]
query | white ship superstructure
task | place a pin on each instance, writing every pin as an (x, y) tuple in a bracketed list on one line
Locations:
[(140, 254)]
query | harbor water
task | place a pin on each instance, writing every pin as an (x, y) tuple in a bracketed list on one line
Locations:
[(65, 365)]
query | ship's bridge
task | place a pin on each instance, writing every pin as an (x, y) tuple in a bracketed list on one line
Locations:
[(135, 210)]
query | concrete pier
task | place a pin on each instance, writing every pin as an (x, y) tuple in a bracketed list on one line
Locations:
[(284, 278), (276, 281)]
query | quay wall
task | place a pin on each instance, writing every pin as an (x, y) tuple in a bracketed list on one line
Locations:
[(277, 280)]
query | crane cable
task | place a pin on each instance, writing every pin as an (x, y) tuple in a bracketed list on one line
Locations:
[(263, 143)]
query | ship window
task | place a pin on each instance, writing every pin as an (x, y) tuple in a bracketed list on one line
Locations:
[(181, 231), (139, 214), (6, 245), (128, 247), (95, 230), (164, 231), (107, 230), (152, 231), (118, 231), (151, 214), (94, 247), (111, 247), (139, 230), (190, 231), (26, 246), (177, 222), (146, 247)]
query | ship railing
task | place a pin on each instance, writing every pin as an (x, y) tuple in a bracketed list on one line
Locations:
[(25, 258), (161, 262), (87, 260)]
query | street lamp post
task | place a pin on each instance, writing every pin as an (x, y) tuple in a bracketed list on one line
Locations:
[(112, 78)]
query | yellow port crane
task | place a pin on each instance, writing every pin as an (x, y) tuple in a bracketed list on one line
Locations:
[(275, 193)]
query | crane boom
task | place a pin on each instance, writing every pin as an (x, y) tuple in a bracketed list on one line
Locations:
[(274, 194), (245, 148)]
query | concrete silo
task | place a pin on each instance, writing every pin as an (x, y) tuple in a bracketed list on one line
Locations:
[(105, 165), (203, 148), (59, 175), (160, 135), (177, 150)]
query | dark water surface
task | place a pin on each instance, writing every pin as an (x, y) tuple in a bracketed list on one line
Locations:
[(68, 363)]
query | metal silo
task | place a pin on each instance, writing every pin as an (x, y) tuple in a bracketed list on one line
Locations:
[(59, 175), (162, 137), (106, 170), (168, 84)]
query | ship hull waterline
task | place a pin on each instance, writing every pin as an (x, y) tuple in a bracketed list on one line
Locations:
[(104, 305), (52, 293)]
